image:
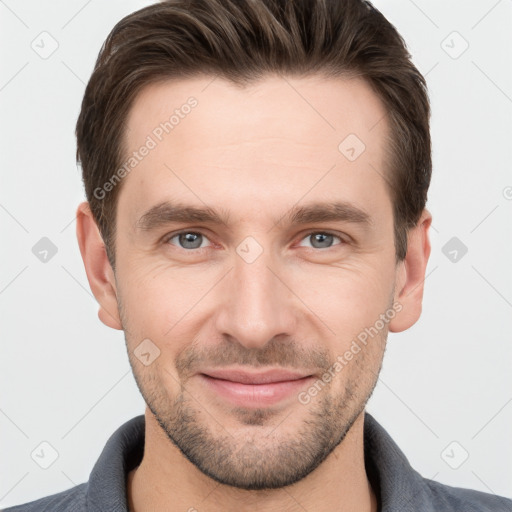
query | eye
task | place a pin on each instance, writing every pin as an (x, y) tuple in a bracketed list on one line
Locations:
[(188, 240), (194, 240), (322, 239)]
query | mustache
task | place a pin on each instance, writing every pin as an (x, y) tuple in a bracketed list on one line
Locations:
[(277, 352)]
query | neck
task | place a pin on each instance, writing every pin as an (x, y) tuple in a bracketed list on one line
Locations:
[(166, 480)]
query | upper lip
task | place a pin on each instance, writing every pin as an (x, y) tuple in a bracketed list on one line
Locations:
[(262, 377)]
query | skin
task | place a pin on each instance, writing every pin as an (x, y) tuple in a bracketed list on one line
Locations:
[(255, 153)]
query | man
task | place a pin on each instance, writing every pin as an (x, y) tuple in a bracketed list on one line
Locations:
[(256, 174)]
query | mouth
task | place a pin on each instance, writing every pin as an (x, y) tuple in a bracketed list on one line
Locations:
[(251, 389), (265, 377)]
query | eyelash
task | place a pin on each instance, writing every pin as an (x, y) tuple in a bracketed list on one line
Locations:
[(168, 238)]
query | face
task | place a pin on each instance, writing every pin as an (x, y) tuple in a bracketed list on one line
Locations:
[(248, 241)]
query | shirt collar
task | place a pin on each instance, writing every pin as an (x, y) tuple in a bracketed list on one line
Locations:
[(396, 484), (123, 452)]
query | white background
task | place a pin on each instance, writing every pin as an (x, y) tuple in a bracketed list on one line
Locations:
[(65, 377)]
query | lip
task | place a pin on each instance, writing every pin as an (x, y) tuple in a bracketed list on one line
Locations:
[(265, 377), (249, 389)]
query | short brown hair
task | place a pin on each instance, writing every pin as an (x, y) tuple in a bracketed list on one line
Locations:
[(243, 40)]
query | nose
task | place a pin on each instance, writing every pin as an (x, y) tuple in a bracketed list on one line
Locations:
[(256, 303)]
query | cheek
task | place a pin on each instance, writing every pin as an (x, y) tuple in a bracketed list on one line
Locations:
[(174, 308), (155, 300), (346, 298)]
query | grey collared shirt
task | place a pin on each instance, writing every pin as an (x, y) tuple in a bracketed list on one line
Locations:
[(399, 488)]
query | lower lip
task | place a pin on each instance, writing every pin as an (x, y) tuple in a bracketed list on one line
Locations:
[(255, 395)]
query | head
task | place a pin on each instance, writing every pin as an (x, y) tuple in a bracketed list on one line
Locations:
[(256, 176)]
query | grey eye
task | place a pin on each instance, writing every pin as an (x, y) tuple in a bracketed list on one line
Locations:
[(321, 240), (189, 240)]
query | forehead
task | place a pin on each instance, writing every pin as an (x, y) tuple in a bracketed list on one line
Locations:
[(326, 107), (207, 137)]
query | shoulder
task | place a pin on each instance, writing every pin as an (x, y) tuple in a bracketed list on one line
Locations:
[(446, 497), (70, 500), (402, 488)]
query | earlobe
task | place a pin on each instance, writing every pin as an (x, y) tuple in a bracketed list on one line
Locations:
[(411, 275), (97, 267)]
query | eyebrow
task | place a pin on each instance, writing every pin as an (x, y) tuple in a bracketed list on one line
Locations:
[(167, 212)]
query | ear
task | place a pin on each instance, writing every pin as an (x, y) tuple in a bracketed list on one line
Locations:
[(411, 275), (99, 271)]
